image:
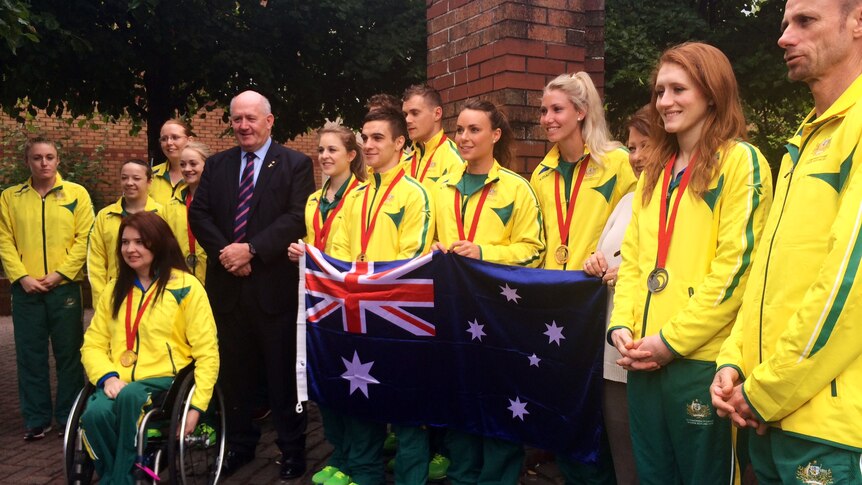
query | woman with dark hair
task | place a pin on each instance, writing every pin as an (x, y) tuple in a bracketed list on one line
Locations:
[(130, 357), (168, 176), (697, 215), (485, 211), (135, 179)]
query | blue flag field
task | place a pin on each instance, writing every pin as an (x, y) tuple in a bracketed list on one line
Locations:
[(502, 351)]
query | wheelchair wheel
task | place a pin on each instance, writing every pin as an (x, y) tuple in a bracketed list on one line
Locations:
[(196, 458), (77, 464)]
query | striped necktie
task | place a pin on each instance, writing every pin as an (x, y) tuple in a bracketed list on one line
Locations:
[(246, 190)]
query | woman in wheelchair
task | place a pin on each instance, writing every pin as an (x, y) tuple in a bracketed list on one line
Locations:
[(157, 321)]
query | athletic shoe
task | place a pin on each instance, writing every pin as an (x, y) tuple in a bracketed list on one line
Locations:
[(37, 433), (338, 478), (390, 444), (438, 467), (390, 465), (323, 475)]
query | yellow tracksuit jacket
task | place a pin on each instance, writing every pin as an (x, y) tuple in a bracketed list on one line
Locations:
[(796, 340), (605, 183), (509, 230), (39, 236), (404, 226), (102, 253), (311, 208), (175, 329), (162, 190), (442, 159), (708, 262), (176, 215)]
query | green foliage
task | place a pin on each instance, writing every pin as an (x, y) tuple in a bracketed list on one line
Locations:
[(16, 27), (76, 164), (637, 32), (151, 60)]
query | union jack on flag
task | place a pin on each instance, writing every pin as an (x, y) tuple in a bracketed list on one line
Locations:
[(394, 292)]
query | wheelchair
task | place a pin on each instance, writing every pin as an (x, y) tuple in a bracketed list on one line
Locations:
[(194, 459)]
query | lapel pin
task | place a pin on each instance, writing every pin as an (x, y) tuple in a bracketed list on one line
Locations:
[(271, 164)]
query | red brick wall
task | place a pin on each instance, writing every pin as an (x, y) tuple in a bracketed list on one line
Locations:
[(120, 145), (506, 52)]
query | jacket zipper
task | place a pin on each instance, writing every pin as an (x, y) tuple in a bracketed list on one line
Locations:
[(171, 357), (44, 237), (772, 239)]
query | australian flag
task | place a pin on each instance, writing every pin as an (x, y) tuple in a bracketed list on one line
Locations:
[(502, 351)]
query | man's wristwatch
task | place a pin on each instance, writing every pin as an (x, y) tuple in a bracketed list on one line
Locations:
[(251, 249)]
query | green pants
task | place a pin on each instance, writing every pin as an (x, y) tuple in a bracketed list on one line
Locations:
[(676, 435), (478, 460), (363, 451), (782, 458), (333, 431), (414, 452), (37, 318), (110, 428)]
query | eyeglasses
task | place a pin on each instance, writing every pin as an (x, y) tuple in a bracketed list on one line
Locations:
[(173, 138)]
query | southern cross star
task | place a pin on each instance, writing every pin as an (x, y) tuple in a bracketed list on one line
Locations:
[(518, 408), (511, 294), (358, 374), (475, 330), (534, 360), (554, 333)]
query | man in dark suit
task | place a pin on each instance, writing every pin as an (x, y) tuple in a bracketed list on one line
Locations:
[(248, 208)]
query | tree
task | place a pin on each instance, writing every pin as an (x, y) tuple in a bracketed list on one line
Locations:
[(637, 32), (15, 25), (153, 59)]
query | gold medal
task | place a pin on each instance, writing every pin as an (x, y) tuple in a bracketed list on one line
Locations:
[(128, 358), (657, 280), (561, 254), (362, 258)]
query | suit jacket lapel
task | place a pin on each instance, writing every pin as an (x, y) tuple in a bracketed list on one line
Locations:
[(269, 166), (233, 174)]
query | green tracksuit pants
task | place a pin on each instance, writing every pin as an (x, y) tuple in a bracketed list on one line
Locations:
[(782, 458), (478, 460), (363, 451), (55, 316), (110, 428), (676, 435), (414, 452)]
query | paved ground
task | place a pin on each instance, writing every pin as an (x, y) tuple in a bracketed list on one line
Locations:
[(41, 461)]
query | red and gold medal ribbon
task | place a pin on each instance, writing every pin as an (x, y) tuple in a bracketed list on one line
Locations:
[(192, 239), (414, 164), (321, 232), (132, 332), (368, 228), (475, 224), (665, 225), (564, 224)]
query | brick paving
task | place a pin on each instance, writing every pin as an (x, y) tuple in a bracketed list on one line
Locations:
[(40, 462)]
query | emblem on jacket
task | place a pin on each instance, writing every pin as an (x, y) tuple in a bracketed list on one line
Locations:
[(698, 413), (814, 474)]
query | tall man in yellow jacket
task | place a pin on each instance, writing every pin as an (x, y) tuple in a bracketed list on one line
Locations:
[(387, 218), (792, 366), (44, 224), (433, 154)]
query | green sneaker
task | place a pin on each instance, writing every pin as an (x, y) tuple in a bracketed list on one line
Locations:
[(438, 467), (207, 433), (390, 444), (153, 433), (390, 465), (323, 475), (338, 478)]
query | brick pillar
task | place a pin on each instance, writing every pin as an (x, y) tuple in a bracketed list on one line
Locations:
[(506, 52)]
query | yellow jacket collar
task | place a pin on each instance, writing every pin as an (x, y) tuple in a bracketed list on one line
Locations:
[(118, 209), (847, 100), (58, 182), (552, 159), (457, 174)]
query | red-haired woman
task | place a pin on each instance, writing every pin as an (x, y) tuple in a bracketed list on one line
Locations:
[(697, 214)]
